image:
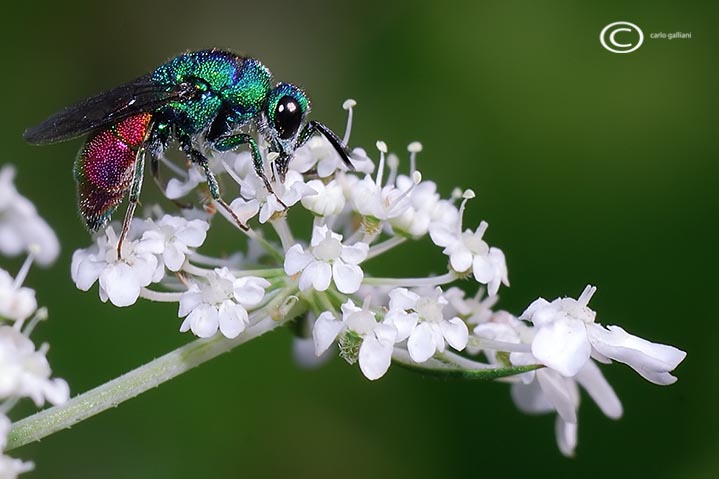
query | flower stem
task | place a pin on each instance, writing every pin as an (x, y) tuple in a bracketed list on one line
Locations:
[(385, 246), (133, 383), (448, 367), (412, 282)]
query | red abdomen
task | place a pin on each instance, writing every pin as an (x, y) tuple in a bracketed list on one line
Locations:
[(105, 168)]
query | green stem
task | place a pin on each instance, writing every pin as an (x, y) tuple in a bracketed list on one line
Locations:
[(133, 383), (440, 368)]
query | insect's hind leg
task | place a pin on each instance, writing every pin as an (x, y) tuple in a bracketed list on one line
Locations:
[(199, 159), (133, 198)]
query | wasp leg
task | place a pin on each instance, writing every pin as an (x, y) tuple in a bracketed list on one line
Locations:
[(231, 142), (158, 144), (316, 127), (133, 197), (199, 159)]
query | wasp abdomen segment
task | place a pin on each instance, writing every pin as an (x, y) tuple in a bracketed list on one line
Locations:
[(105, 168)]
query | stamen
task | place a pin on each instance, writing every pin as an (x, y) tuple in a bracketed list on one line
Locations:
[(413, 148), (33, 249), (467, 195), (393, 163), (586, 295), (348, 105), (416, 179), (481, 229), (382, 147), (40, 315)]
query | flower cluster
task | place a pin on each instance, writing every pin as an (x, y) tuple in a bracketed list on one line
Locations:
[(24, 369), (322, 282)]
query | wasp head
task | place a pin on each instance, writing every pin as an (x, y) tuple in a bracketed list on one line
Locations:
[(286, 113)]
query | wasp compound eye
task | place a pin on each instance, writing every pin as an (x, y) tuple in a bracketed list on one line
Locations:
[(288, 117)]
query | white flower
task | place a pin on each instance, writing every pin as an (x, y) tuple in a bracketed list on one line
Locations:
[(220, 303), (120, 280), (328, 200), (10, 467), (468, 250), (16, 303), (25, 372), (423, 203), (567, 335), (174, 236), (192, 176), (545, 390), (177, 188), (370, 198), (474, 310), (21, 228), (327, 259), (419, 319), (377, 339), (254, 193), (316, 152)]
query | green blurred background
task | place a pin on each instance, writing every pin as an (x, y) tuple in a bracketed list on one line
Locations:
[(589, 167)]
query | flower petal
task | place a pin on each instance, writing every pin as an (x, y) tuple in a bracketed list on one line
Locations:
[(483, 270), (593, 381), (566, 433), (461, 260), (403, 321), (317, 274), (421, 344), (562, 345), (530, 399), (354, 254), (232, 319), (325, 331), (402, 298), (120, 283), (348, 277), (375, 354), (296, 260), (652, 361), (173, 257), (561, 392), (203, 321), (455, 332)]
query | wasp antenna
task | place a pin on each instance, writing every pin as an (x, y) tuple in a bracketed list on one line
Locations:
[(335, 141)]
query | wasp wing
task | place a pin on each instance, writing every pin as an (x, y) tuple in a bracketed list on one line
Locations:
[(140, 96)]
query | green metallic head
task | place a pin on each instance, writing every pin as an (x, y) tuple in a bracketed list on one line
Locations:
[(286, 113)]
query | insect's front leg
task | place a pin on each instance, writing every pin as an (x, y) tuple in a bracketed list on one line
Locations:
[(234, 141), (199, 159)]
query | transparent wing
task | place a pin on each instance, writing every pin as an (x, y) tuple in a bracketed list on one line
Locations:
[(140, 96)]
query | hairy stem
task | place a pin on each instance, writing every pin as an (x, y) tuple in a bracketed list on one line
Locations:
[(148, 376)]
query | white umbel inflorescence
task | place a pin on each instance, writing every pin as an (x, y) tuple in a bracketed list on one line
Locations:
[(323, 279)]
